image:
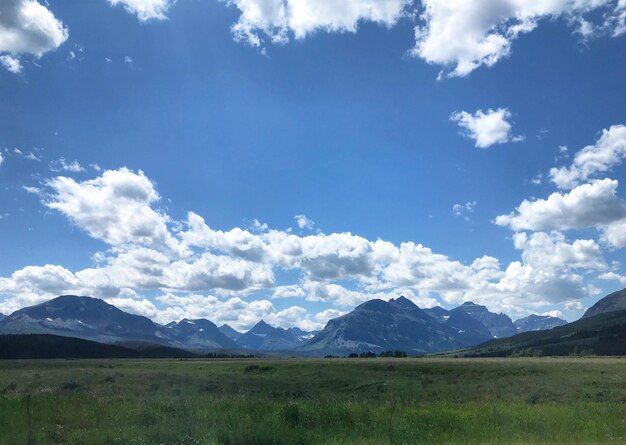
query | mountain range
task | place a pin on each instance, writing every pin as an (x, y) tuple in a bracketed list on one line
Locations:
[(375, 325), (538, 323), (263, 337), (602, 334), (601, 331), (399, 324), (229, 332)]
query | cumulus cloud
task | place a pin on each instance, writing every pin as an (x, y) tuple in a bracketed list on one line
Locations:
[(327, 315), (304, 222), (464, 35), (574, 306), (11, 64), (613, 276), (27, 27), (238, 313), (61, 165), (115, 208), (486, 128), (608, 152), (463, 210), (277, 20), (614, 234), (550, 251), (204, 272), (555, 314), (33, 284), (588, 205), (145, 9)]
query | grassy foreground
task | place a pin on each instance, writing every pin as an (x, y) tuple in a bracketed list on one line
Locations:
[(325, 401)]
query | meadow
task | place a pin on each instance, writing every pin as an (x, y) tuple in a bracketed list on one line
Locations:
[(314, 401)]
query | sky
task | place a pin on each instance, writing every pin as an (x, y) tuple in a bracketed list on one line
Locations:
[(287, 160)]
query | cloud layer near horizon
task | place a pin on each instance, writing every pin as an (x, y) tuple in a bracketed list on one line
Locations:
[(196, 270)]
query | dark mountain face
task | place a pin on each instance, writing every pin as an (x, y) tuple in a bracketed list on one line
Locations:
[(538, 323), (499, 325), (394, 325), (612, 302), (602, 334), (474, 332), (2, 317), (198, 334), (300, 335), (82, 317), (230, 332), (264, 337)]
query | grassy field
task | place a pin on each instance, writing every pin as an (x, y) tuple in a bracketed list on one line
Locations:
[(325, 401)]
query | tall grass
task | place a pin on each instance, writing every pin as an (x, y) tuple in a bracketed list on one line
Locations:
[(526, 401)]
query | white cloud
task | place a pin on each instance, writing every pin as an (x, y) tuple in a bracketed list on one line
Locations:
[(12, 64), (614, 234), (608, 152), (327, 315), (145, 9), (277, 20), (1, 159), (115, 208), (27, 27), (550, 251), (555, 314), (612, 276), (61, 165), (289, 291), (574, 306), (588, 205), (34, 284), (486, 128), (30, 156), (137, 306), (150, 252), (537, 180), (304, 222), (464, 209), (463, 35), (238, 313), (32, 190)]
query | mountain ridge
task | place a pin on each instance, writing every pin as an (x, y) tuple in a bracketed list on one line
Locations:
[(376, 325), (536, 322), (615, 301), (499, 325)]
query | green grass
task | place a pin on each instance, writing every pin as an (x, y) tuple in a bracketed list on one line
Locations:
[(325, 401)]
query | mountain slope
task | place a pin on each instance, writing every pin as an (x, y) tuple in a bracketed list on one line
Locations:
[(229, 332), (500, 325), (538, 323), (198, 334), (603, 334), (612, 302), (264, 337), (45, 346), (474, 332), (379, 325), (82, 317)]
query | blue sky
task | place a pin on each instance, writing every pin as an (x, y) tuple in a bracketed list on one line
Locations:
[(400, 141)]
